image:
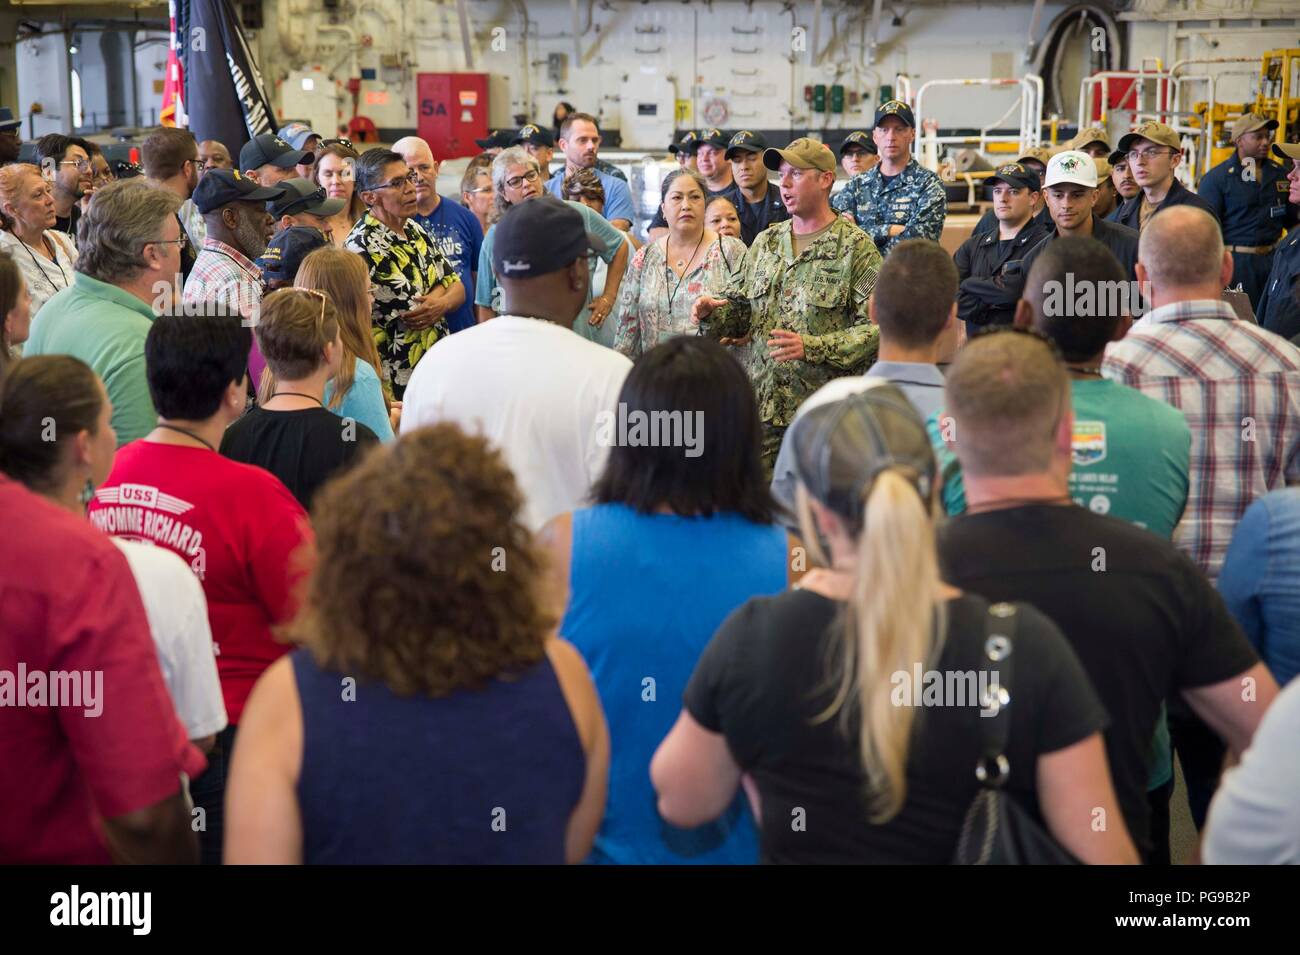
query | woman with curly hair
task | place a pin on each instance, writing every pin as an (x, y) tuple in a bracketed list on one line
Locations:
[(429, 716)]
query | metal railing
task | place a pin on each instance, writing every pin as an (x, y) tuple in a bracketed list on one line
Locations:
[(1030, 104)]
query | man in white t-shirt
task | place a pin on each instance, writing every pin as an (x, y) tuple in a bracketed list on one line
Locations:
[(524, 379), (178, 619)]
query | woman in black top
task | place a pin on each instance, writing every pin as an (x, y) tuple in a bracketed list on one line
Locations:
[(824, 698)]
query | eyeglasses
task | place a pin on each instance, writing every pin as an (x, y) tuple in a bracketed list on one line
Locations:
[(176, 242), (83, 165), (515, 182), (479, 189), (411, 177), (1144, 155), (320, 319), (337, 142)]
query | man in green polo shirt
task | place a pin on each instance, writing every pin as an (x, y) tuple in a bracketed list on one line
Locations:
[(128, 266)]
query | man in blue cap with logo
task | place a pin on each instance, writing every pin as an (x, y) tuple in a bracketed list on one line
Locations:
[(898, 198)]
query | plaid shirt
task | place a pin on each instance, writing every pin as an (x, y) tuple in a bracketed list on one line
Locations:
[(1239, 388), (224, 275)]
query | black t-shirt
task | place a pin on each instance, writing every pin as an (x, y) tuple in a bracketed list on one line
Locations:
[(1142, 618), (304, 449), (68, 224), (764, 678)]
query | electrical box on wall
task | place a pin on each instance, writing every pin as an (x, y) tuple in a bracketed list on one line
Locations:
[(453, 112)]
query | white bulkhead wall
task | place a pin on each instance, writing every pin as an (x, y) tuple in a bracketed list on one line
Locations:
[(745, 65)]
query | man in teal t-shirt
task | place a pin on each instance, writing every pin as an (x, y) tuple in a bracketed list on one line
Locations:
[(1132, 453), (615, 255)]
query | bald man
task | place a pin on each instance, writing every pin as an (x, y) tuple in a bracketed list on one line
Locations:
[(213, 155), (454, 229), (1239, 388)]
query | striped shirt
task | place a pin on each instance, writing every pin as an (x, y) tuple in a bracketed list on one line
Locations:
[(1239, 388)]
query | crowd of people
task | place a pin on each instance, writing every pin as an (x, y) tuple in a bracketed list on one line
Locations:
[(353, 523)]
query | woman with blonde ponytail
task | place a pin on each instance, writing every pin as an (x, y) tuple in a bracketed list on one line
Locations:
[(852, 705)]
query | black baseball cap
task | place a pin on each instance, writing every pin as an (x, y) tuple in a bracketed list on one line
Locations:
[(862, 140), (747, 142), (540, 236), (534, 135), (220, 187), (688, 144), (7, 121), (286, 250), (303, 195), (497, 139), (712, 137), (1016, 176), (898, 109), (1117, 157), (270, 150)]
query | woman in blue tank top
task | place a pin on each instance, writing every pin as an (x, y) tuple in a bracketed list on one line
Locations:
[(681, 533), (427, 717)]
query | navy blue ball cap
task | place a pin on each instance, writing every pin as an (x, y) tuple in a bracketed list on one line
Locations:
[(286, 250), (540, 236), (220, 187)]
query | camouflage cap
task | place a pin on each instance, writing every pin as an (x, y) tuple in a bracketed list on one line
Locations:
[(1036, 154), (1157, 133), (1287, 151), (1249, 122), (1087, 136), (803, 153)]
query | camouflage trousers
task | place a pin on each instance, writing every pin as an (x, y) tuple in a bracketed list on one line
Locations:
[(772, 435)]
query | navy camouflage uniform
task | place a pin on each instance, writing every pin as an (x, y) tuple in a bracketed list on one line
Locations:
[(822, 294), (914, 199)]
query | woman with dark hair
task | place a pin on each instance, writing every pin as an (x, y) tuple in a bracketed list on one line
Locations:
[(680, 534), (463, 732), (57, 438), (562, 111), (335, 172), (817, 693), (15, 309), (668, 275)]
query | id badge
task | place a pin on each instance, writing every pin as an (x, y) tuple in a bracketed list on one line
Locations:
[(1277, 212)]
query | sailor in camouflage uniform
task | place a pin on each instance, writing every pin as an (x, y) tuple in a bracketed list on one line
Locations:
[(898, 198), (800, 294)]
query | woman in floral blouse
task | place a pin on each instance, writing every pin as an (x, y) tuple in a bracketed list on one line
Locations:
[(413, 285), (666, 276)]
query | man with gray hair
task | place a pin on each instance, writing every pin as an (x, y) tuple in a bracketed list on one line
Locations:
[(1239, 388), (517, 177), (413, 286), (128, 263)]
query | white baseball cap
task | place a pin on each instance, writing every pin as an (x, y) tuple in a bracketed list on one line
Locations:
[(1071, 166)]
